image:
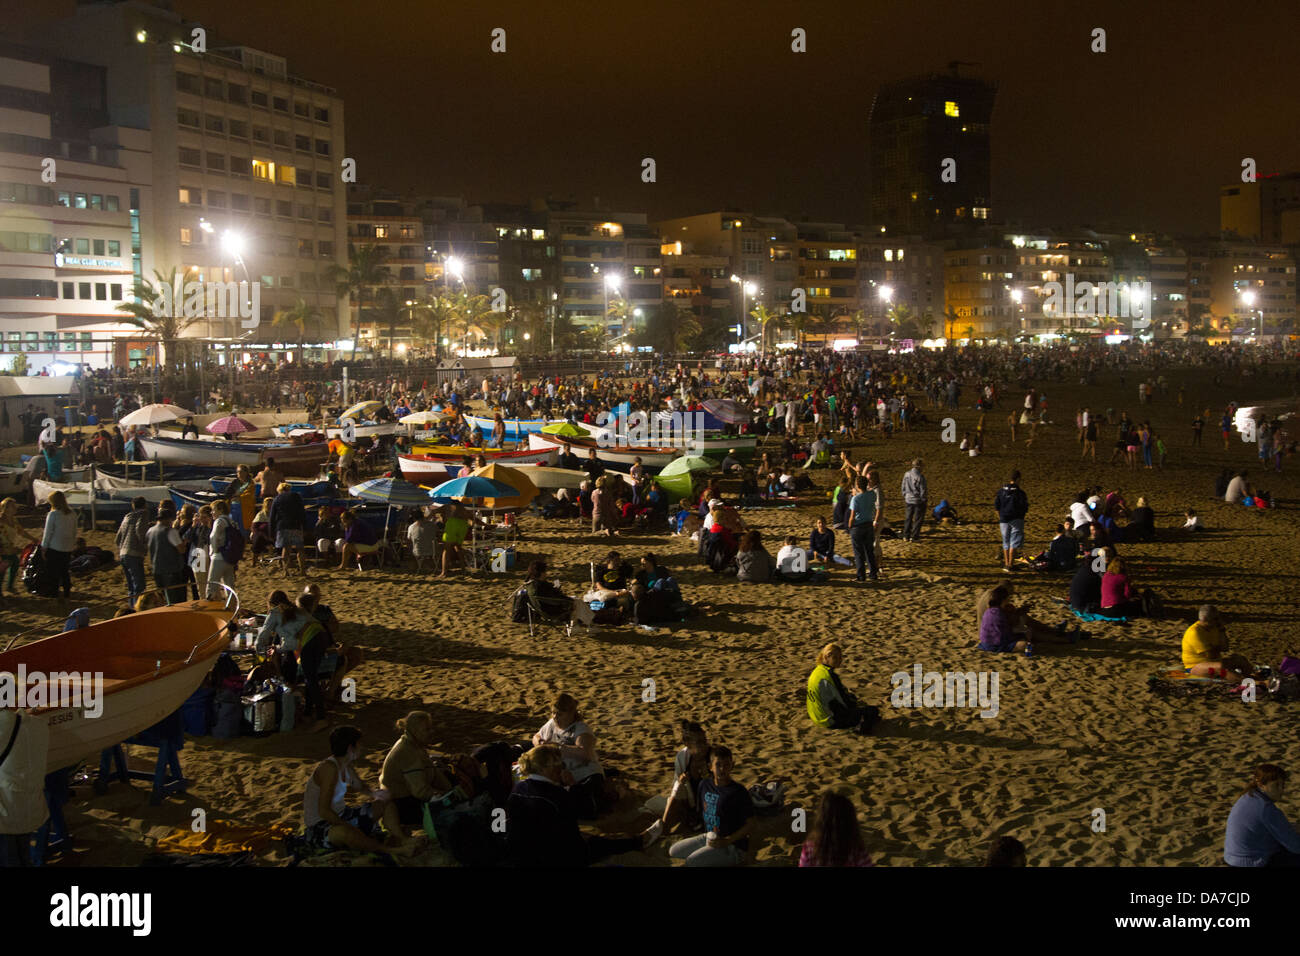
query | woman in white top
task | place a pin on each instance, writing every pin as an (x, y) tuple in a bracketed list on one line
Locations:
[(59, 541), (220, 571), (329, 823), (583, 774)]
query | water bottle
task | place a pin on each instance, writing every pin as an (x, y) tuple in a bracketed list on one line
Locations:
[(1029, 650)]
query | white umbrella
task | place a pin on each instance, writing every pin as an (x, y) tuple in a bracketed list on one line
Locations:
[(153, 414), (421, 418)]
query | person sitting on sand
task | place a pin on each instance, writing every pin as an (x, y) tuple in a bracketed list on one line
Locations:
[(550, 601), (785, 560), (1142, 522), (1063, 552), (281, 627), (829, 702), (1238, 488), (821, 543), (1192, 521), (1022, 624), (1205, 649), (655, 577), (1258, 832), (329, 823), (359, 539), (753, 563), (409, 775), (1006, 851), (1118, 596), (690, 768), (542, 820), (836, 838), (611, 585), (728, 814), (585, 776), (995, 627), (1085, 586)]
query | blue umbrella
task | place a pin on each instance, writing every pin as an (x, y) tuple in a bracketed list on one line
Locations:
[(473, 486)]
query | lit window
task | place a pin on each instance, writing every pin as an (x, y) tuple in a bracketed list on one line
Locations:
[(950, 109), (286, 175), (980, 212), (889, 255)]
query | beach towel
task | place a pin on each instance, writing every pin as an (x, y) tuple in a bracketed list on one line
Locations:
[(1175, 682), (1091, 616), (224, 838)]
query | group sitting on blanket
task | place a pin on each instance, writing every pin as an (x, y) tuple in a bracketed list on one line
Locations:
[(1103, 589)]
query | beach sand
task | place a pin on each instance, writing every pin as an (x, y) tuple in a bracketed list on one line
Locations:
[(1076, 731)]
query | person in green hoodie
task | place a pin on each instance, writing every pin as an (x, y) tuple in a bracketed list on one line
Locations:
[(830, 704)]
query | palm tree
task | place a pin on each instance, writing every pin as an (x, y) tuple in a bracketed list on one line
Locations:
[(950, 318), (798, 322), (300, 315), (764, 317), (470, 312), (388, 311), (969, 332), (430, 317), (364, 271), (165, 329), (621, 311)]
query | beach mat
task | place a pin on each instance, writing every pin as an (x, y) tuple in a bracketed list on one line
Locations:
[(1090, 616), (1176, 682)]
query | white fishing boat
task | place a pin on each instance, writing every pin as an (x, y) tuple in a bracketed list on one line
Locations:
[(618, 457), (709, 445), (360, 430), (440, 464)]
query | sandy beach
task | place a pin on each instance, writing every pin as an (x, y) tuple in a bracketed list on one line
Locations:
[(1076, 731)]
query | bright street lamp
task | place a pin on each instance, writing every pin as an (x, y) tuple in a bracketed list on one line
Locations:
[(610, 281), (456, 266), (232, 243), (746, 289)]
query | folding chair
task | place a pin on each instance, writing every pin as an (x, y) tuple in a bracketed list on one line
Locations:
[(538, 618)]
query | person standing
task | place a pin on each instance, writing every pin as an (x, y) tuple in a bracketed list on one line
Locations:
[(914, 495), (166, 555), (864, 515), (132, 547), (221, 570), (287, 524), (269, 479), (59, 541), (1012, 505)]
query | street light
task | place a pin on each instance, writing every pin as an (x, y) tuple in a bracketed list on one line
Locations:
[(1248, 297), (746, 289), (1017, 296)]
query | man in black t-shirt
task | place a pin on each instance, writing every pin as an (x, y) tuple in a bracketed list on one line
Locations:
[(728, 814)]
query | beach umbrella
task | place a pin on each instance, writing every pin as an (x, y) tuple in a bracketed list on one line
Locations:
[(472, 486), (231, 425), (421, 418), (360, 410), (519, 480), (687, 464), (154, 414), (565, 429), (729, 411), (393, 492)]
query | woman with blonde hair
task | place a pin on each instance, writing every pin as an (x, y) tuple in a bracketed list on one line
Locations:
[(11, 542), (829, 702), (59, 541), (410, 776), (583, 773), (542, 822)]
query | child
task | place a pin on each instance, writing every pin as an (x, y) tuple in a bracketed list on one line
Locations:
[(261, 537), (1161, 451), (1193, 522)]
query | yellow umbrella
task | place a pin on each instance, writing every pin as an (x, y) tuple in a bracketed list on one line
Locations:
[(515, 478)]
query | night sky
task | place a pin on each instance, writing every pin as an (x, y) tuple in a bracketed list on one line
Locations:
[(1140, 137)]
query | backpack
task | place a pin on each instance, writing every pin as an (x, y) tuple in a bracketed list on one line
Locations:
[(519, 607), (36, 575), (233, 548), (1152, 605), (716, 553)]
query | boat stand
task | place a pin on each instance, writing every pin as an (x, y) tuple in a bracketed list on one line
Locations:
[(168, 736)]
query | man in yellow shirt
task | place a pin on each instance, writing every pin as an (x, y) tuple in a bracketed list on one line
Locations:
[(1205, 649)]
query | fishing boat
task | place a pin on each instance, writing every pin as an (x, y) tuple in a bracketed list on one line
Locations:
[(151, 663), (290, 459), (517, 429), (360, 430), (709, 445), (518, 456), (618, 457), (424, 469), (552, 479)]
